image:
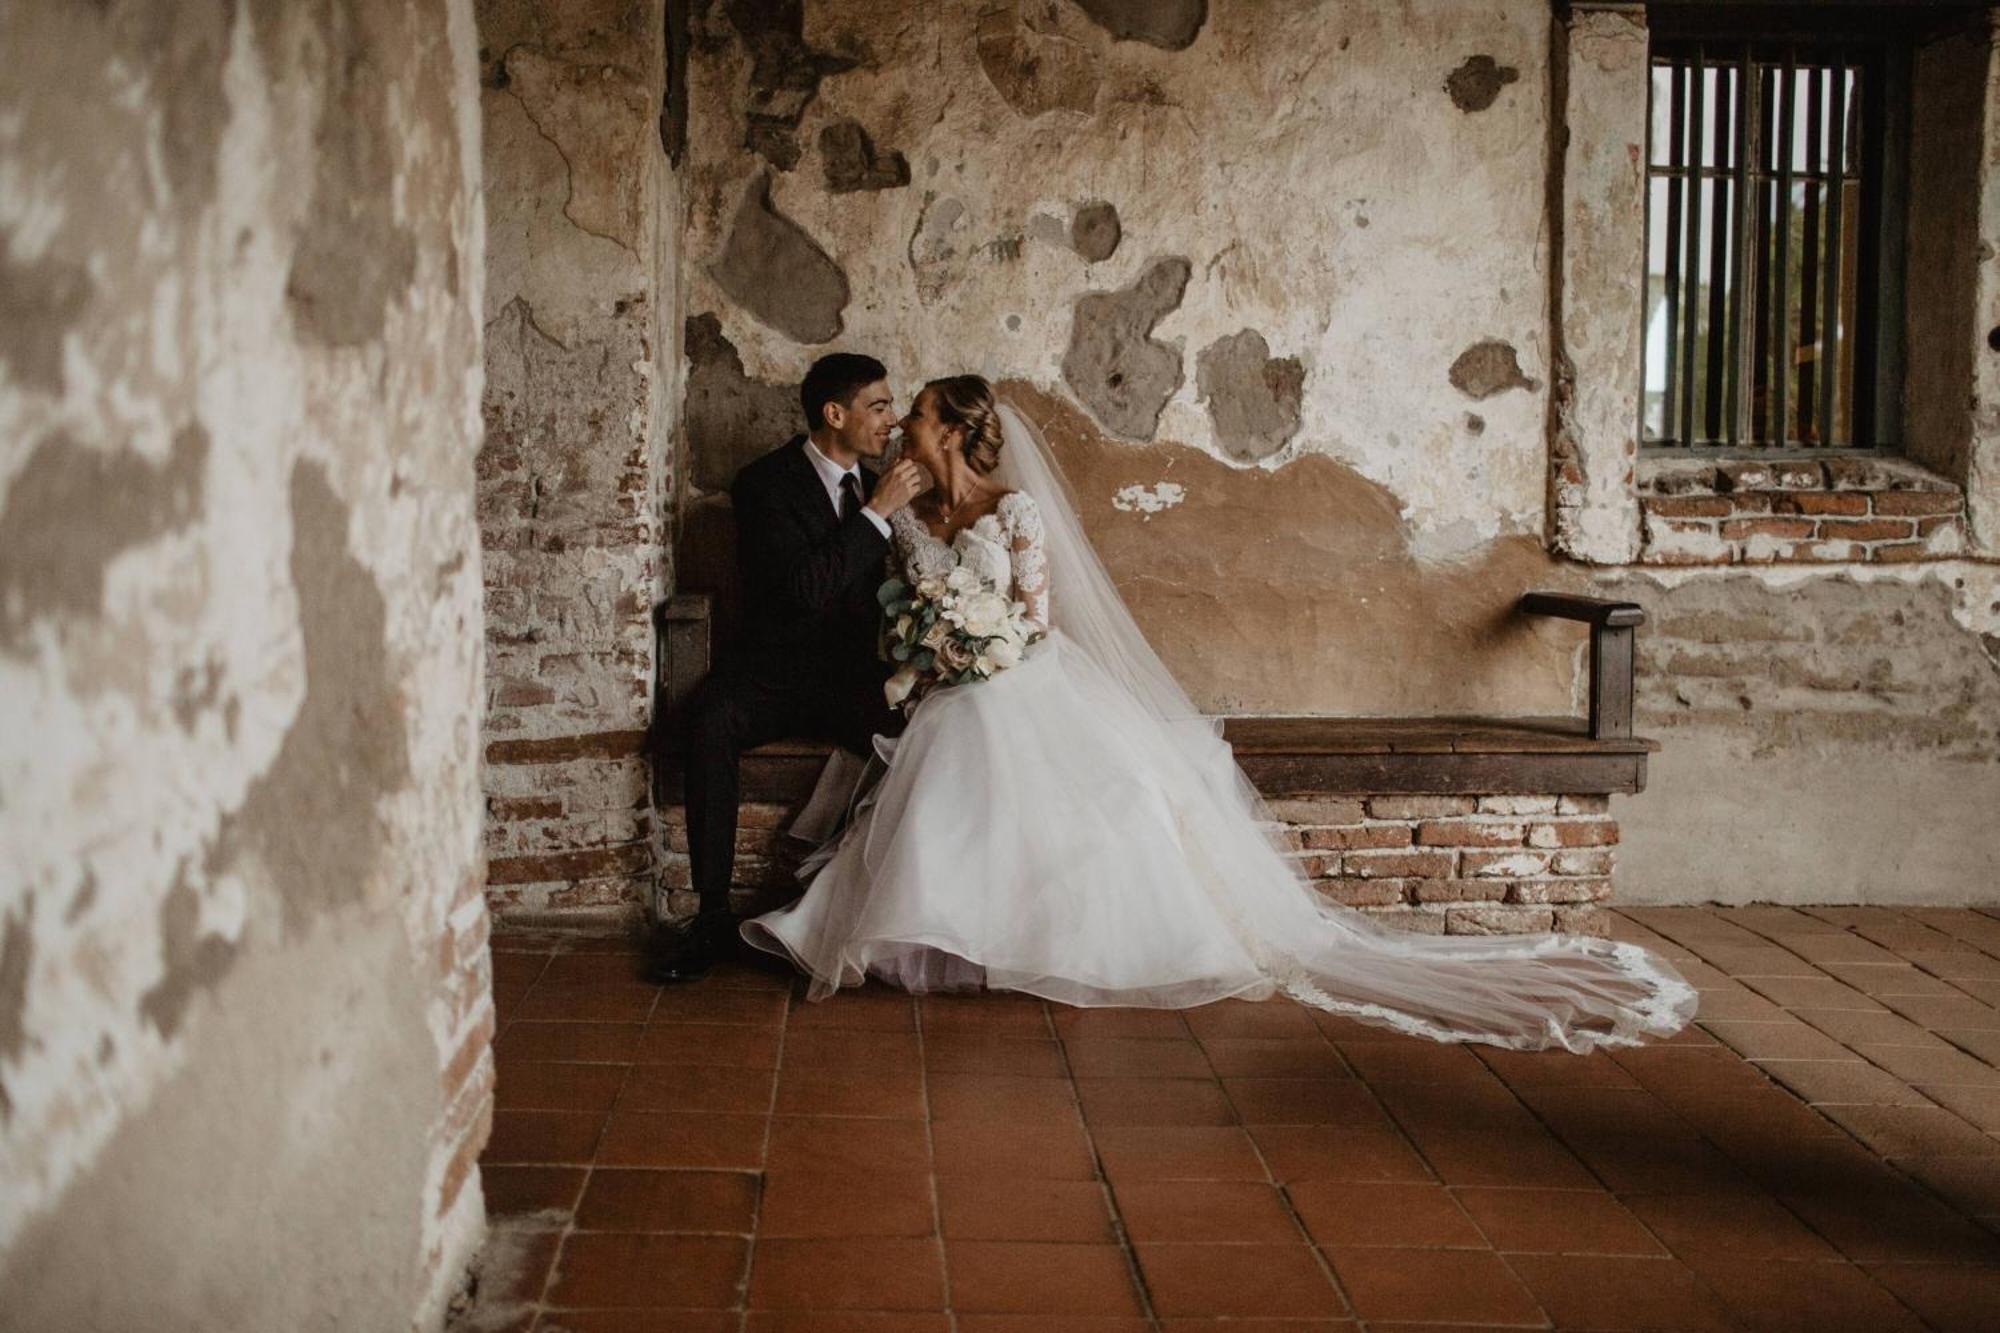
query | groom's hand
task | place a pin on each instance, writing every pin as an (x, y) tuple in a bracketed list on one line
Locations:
[(902, 483)]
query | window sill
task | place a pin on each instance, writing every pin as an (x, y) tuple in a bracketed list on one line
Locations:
[(1796, 509)]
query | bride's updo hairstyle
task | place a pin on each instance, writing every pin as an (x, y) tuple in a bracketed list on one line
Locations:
[(967, 401)]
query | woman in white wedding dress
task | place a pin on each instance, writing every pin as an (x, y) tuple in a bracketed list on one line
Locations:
[(1075, 829)]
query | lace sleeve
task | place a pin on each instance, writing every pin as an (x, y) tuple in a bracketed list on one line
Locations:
[(1030, 557)]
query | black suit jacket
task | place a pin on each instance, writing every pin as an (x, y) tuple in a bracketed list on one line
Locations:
[(809, 577)]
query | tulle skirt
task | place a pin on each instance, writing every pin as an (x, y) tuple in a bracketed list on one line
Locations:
[(1042, 832)]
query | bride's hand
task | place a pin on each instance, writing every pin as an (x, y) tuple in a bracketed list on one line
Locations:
[(903, 482)]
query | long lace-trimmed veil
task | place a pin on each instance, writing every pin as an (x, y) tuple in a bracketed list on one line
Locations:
[(1527, 991)]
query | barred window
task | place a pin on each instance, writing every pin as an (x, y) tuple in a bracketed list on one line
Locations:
[(1767, 321)]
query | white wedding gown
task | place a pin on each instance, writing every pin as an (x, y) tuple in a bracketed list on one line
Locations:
[(1053, 831)]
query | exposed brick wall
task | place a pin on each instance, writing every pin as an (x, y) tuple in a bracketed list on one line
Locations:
[(1824, 511), (1456, 865), (582, 390), (569, 825)]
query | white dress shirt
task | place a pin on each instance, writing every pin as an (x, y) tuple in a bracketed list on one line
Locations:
[(830, 474)]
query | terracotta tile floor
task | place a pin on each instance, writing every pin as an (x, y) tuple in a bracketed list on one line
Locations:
[(1821, 1151)]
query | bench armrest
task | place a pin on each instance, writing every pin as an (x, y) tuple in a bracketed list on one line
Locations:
[(1590, 610), (682, 630), (1613, 627)]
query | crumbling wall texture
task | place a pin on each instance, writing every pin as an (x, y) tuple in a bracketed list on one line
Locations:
[(1272, 278), (582, 381), (1332, 312), (1825, 736), (244, 1005)]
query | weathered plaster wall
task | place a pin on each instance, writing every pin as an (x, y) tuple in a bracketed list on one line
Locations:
[(1599, 57), (1827, 737), (1334, 330), (582, 386), (244, 1006), (1275, 279)]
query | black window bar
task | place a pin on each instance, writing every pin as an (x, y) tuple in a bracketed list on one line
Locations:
[(1760, 172)]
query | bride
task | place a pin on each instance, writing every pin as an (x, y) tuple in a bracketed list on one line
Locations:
[(1074, 828)]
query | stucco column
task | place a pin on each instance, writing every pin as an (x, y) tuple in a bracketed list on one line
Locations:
[(1599, 71), (1982, 470)]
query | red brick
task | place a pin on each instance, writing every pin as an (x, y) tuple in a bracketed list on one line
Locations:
[(1358, 836), (563, 749), (1918, 502), (1558, 890), (1505, 862), (1376, 865), (476, 1044), (1850, 503), (459, 1168), (1469, 833), (1739, 528), (1365, 893), (1903, 553), (1575, 833), (1866, 530), (1582, 861), (1458, 890), (1690, 506), (509, 808), (595, 863), (1420, 807)]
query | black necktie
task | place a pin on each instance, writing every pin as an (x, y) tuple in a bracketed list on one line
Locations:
[(850, 494)]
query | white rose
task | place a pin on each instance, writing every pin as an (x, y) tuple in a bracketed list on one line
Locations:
[(897, 688), (1001, 653), (930, 589), (985, 614), (961, 580), (935, 635)]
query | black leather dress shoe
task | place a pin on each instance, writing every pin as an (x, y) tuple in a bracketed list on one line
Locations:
[(690, 954)]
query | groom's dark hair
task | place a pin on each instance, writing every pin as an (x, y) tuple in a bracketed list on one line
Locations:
[(836, 378)]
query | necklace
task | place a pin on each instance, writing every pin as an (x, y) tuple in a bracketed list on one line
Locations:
[(951, 515)]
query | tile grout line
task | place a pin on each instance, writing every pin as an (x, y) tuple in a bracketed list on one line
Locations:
[(1283, 1191), (1929, 1102), (1852, 1136), (1119, 1233), (930, 1152), (760, 1177), (541, 1304)]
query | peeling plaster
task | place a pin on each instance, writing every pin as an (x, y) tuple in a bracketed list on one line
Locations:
[(778, 273), (784, 78), (853, 162), (1476, 84), (1252, 396), (1487, 368), (1032, 64), (731, 418), (1094, 231), (53, 562), (1147, 501), (191, 960), (42, 300), (311, 818), (1120, 371), (353, 258), (1171, 25)]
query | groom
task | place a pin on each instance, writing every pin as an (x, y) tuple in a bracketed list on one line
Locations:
[(811, 532)]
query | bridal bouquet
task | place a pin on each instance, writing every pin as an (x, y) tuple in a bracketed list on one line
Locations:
[(948, 631)]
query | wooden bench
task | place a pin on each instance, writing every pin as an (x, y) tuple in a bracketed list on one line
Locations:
[(1465, 824)]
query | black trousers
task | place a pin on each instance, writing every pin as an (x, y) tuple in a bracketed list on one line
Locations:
[(744, 705)]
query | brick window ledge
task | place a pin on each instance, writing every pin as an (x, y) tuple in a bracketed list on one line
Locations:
[(1793, 509)]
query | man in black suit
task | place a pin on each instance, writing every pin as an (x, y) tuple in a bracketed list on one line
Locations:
[(811, 534)]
